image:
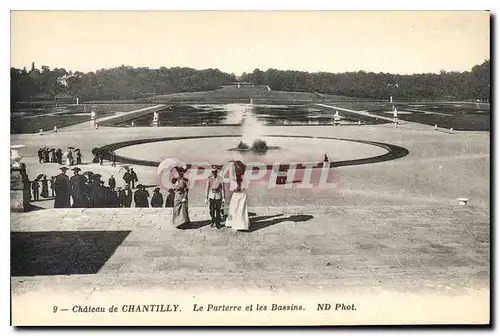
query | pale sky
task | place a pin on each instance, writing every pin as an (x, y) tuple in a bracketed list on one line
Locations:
[(394, 42)]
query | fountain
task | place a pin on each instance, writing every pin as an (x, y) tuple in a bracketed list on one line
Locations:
[(253, 144), (252, 134)]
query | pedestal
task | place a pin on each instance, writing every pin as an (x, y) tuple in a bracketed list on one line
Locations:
[(156, 123), (19, 189)]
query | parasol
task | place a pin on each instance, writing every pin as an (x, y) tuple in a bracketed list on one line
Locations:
[(89, 173), (239, 166), (170, 163), (166, 168), (70, 147), (234, 168), (39, 177)]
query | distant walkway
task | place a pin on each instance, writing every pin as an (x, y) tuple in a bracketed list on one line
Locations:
[(118, 116), (371, 115), (364, 113)]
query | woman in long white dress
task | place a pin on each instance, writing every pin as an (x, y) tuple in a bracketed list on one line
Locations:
[(237, 215), (66, 158)]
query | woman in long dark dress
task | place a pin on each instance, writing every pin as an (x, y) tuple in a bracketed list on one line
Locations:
[(78, 158), (45, 187), (181, 193), (46, 155)]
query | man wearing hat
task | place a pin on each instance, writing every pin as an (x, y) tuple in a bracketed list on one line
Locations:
[(119, 193), (215, 196), (78, 184), (97, 192), (157, 198), (62, 189), (126, 197), (141, 197), (112, 183)]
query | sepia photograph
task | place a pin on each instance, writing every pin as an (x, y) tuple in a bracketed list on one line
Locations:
[(250, 168)]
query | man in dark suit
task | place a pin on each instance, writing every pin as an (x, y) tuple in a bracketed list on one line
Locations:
[(141, 197), (78, 184), (112, 183), (62, 189), (126, 197)]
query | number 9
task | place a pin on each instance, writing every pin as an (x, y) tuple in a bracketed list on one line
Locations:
[(54, 309)]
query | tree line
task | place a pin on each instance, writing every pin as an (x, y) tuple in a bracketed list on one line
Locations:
[(125, 83), (474, 84), (120, 83)]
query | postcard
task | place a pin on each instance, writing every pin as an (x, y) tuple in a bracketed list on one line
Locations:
[(250, 168)]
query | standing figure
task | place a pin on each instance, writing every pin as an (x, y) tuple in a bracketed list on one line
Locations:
[(169, 202), (112, 183), (51, 185), (78, 157), (119, 193), (134, 177), (97, 192), (96, 154), (67, 158), (35, 187), (59, 156), (112, 200), (45, 187), (113, 159), (214, 196), (126, 197), (52, 155), (46, 155), (237, 216), (157, 199), (127, 177), (141, 197), (181, 193), (101, 158), (71, 158), (62, 189), (40, 155), (78, 184)]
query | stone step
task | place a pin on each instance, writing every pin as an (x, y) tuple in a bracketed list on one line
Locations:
[(160, 218)]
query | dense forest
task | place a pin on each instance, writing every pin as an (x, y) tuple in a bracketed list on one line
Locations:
[(119, 83), (123, 83), (472, 84)]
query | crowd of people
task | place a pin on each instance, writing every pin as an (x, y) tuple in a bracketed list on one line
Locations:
[(52, 155), (89, 190)]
